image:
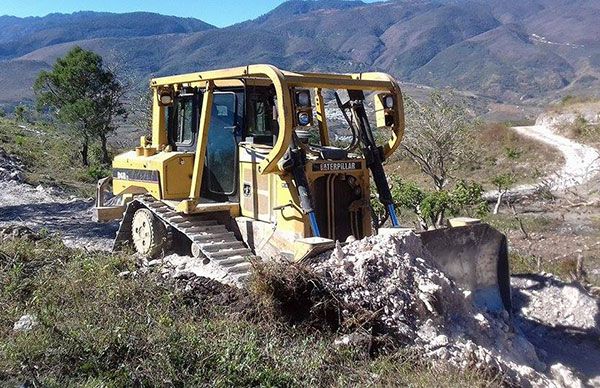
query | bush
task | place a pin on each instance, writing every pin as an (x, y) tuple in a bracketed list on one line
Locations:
[(96, 172), (431, 207)]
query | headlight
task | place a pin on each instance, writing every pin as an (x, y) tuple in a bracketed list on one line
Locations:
[(166, 99), (389, 102), (303, 98), (303, 118)]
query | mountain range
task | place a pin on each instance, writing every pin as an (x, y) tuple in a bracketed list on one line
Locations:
[(507, 50)]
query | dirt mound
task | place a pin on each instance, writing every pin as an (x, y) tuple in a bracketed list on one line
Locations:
[(393, 277), (11, 168)]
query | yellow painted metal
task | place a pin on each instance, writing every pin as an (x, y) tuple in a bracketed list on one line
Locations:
[(159, 130), (202, 141), (398, 127), (282, 81), (174, 171), (273, 198), (321, 117)]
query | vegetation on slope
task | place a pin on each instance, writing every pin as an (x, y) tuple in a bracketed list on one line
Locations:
[(498, 151), (97, 328), (50, 157)]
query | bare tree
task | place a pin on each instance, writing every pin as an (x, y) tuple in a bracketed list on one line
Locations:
[(437, 135), (503, 183), (140, 108)]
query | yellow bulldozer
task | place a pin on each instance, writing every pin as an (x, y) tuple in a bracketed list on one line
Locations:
[(242, 163)]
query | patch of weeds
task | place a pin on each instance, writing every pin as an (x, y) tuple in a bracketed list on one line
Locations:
[(96, 172), (532, 223), (565, 268), (512, 153), (522, 264), (96, 328), (292, 293)]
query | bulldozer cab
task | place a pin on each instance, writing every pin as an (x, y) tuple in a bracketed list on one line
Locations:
[(224, 134)]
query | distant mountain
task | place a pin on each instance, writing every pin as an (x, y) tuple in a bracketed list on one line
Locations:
[(20, 36), (509, 50)]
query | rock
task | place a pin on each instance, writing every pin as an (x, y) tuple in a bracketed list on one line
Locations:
[(439, 341), (565, 377), (356, 340), (554, 303), (25, 323), (11, 168), (155, 262), (184, 275), (391, 277), (12, 232)]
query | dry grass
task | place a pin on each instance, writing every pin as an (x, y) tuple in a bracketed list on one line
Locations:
[(50, 157), (499, 151), (99, 329)]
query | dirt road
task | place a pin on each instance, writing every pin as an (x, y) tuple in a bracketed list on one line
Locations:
[(582, 162), (39, 207)]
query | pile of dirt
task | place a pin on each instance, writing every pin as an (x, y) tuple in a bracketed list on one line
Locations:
[(393, 277), (11, 168)]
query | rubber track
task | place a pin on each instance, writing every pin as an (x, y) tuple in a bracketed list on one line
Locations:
[(213, 240)]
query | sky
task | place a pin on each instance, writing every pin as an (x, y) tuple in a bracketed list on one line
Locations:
[(220, 13)]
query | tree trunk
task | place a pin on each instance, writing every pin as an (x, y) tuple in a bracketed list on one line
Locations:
[(105, 157), (84, 153), (499, 201), (439, 221)]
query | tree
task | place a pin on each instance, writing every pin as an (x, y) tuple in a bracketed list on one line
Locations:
[(20, 113), (84, 95), (141, 108), (431, 207), (503, 183), (437, 136)]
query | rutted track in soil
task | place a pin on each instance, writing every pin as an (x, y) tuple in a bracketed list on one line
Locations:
[(582, 162)]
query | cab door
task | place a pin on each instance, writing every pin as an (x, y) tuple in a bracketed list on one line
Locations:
[(221, 168)]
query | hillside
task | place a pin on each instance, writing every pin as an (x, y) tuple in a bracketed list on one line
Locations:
[(507, 50)]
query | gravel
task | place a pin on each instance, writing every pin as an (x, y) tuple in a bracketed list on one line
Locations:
[(49, 208), (11, 168)]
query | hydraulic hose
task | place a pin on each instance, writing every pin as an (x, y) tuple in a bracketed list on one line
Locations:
[(296, 164), (373, 154)]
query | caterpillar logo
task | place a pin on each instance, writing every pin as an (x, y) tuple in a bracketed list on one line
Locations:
[(247, 190), (337, 166)]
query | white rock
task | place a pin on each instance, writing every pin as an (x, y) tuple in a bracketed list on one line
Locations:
[(25, 323), (565, 377)]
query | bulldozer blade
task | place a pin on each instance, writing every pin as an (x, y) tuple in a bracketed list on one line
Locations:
[(475, 257)]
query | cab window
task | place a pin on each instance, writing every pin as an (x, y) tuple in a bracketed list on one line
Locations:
[(182, 121), (260, 124)]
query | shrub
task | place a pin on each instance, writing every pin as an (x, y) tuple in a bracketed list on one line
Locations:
[(96, 172)]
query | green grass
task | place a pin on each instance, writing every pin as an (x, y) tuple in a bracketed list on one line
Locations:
[(50, 156), (532, 224), (99, 329), (526, 264)]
